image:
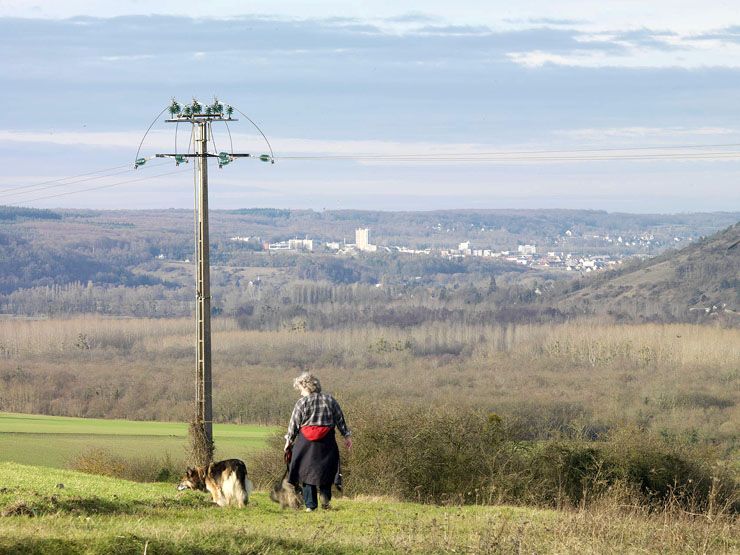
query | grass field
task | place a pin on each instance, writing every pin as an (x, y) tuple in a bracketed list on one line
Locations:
[(54, 441), (93, 514)]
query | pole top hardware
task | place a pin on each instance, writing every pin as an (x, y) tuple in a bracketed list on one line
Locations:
[(195, 111), (203, 115)]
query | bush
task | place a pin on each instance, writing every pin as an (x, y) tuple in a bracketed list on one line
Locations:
[(423, 454), (148, 469), (666, 472), (268, 465), (568, 474), (455, 455)]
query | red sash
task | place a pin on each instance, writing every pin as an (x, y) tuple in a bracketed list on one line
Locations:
[(315, 433)]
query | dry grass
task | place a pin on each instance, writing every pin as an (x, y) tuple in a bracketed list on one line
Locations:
[(582, 378)]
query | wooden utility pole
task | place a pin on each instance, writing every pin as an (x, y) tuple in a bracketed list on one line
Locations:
[(201, 118), (203, 395)]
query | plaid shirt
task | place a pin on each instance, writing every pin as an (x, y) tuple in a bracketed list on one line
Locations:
[(316, 409)]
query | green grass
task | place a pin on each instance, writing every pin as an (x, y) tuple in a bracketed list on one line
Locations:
[(54, 441), (93, 514)]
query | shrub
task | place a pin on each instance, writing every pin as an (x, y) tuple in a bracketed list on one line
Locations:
[(146, 469), (666, 472), (459, 455), (268, 465), (568, 473), (422, 453)]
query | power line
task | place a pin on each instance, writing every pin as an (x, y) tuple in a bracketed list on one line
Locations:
[(37, 189), (68, 177), (508, 153), (516, 156), (17, 203), (529, 159)]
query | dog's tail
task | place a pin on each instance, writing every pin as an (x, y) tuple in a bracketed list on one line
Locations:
[(244, 483)]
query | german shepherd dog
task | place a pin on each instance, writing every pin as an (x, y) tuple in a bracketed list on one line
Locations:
[(286, 493), (226, 481)]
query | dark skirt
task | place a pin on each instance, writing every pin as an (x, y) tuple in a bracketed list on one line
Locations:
[(314, 462)]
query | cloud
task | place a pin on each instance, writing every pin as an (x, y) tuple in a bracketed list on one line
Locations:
[(727, 34), (556, 21), (167, 37)]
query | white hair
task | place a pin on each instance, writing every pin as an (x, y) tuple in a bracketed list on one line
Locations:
[(307, 381)]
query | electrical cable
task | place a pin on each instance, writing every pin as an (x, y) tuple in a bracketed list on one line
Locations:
[(257, 127), (531, 159), (507, 153), (231, 142), (213, 139), (99, 187), (94, 178), (65, 178), (147, 132)]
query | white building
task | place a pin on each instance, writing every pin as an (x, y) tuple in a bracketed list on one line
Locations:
[(362, 240), (279, 246), (301, 244), (527, 249)]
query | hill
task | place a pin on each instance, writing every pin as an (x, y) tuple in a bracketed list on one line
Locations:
[(698, 283), (94, 514)]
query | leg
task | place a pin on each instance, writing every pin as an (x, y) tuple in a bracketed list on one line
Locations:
[(325, 495), (309, 496)]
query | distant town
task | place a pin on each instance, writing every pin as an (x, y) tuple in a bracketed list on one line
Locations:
[(525, 254)]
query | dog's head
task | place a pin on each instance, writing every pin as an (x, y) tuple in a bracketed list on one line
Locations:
[(193, 479)]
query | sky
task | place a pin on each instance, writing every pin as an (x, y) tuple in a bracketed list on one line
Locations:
[(83, 80)]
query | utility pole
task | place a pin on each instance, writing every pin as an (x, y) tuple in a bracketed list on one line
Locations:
[(203, 395), (201, 118)]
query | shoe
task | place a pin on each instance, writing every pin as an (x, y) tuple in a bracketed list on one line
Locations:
[(326, 506), (308, 510)]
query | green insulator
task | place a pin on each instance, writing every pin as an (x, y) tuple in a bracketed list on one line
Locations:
[(224, 158), (265, 157), (140, 162), (180, 159)]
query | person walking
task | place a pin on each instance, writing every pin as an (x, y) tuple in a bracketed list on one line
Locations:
[(311, 443)]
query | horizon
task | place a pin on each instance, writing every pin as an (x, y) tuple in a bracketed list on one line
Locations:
[(735, 213)]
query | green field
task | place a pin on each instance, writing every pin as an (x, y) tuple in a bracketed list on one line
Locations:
[(93, 514), (54, 441)]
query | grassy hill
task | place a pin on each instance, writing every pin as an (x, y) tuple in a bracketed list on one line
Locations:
[(92, 514), (56, 440), (698, 283)]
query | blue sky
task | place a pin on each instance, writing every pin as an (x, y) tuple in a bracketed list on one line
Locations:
[(83, 80)]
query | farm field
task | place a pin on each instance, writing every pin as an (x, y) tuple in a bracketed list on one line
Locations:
[(54, 441), (99, 514)]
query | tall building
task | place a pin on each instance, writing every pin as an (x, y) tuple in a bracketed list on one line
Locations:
[(362, 240)]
